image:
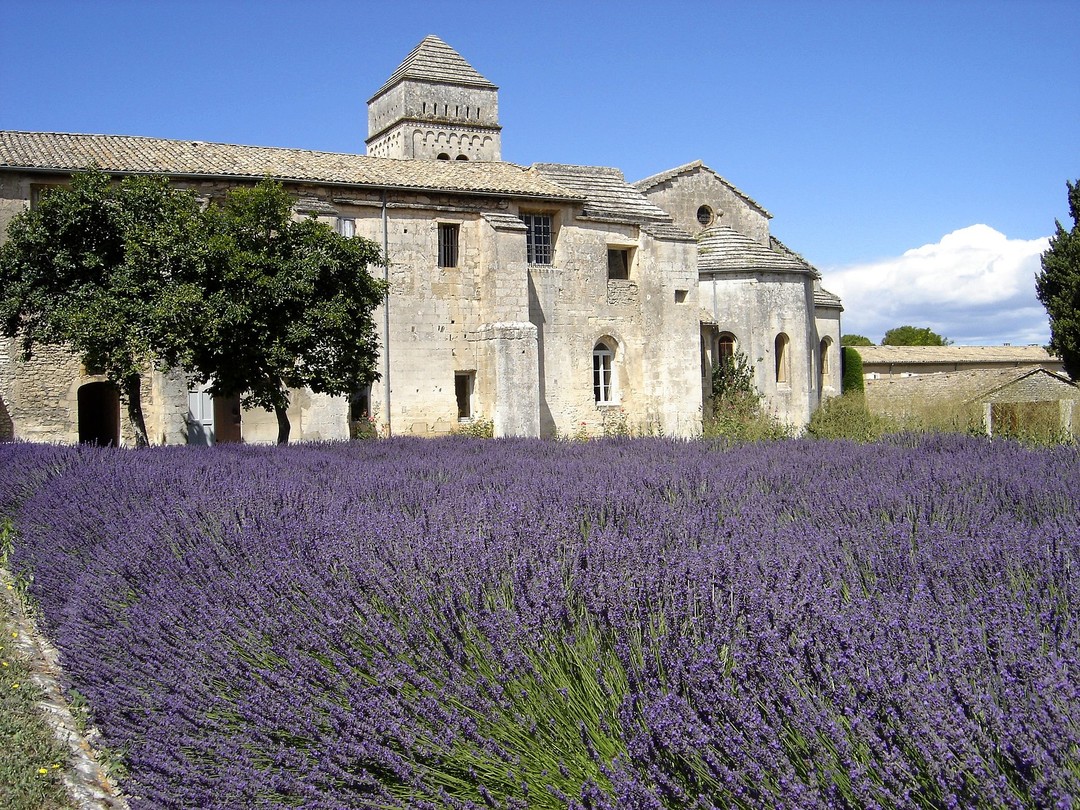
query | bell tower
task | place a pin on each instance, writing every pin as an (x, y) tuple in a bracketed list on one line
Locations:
[(435, 106)]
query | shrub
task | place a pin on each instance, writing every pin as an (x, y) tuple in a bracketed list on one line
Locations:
[(851, 362), (847, 417)]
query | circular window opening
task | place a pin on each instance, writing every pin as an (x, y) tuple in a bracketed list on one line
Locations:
[(705, 216)]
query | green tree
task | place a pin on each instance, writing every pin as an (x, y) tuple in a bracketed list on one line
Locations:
[(913, 336), (285, 304), (1058, 287), (855, 340), (95, 266)]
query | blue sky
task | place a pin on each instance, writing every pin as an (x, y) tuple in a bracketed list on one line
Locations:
[(915, 152)]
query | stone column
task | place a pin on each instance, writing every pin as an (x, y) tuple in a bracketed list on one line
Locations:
[(510, 350)]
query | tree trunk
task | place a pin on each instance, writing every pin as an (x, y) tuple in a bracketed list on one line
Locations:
[(281, 411), (133, 395)]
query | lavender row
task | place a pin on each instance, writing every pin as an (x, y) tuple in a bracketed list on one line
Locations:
[(608, 624)]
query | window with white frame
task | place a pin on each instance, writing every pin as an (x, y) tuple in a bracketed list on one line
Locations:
[(346, 226), (448, 244), (602, 359), (538, 238)]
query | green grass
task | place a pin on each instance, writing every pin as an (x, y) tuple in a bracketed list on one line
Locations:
[(32, 761)]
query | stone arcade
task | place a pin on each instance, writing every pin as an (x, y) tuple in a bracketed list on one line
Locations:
[(549, 299)]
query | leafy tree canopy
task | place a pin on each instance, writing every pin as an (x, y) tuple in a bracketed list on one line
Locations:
[(913, 336), (1058, 287), (285, 304), (95, 266), (243, 296), (855, 340)]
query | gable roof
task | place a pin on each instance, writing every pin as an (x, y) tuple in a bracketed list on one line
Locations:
[(693, 168), (898, 394), (721, 248), (435, 61), (124, 154), (606, 192)]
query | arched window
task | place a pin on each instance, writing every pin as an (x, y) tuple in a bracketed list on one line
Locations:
[(461, 157), (602, 361), (783, 360), (823, 361), (725, 348), (443, 156)]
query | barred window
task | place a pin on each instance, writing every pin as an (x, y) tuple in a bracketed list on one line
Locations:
[(537, 238), (448, 245)]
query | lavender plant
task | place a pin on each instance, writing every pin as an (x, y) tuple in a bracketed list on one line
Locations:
[(516, 624)]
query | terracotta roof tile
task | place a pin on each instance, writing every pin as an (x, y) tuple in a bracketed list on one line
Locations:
[(954, 354)]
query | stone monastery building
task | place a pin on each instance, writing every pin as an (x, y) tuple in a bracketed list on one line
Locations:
[(549, 299)]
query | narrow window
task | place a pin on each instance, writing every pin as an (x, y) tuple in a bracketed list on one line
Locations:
[(618, 263), (823, 361), (346, 226), (725, 348), (463, 390), (601, 359), (537, 238), (783, 361), (448, 245)]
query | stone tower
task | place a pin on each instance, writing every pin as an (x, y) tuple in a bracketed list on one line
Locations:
[(435, 106)]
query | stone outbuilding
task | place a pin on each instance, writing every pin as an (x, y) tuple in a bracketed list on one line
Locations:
[(1013, 400), (549, 300)]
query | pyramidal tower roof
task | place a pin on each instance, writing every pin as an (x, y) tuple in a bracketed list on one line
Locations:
[(435, 61)]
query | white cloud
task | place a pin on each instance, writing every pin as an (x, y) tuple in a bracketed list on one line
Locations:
[(974, 286)]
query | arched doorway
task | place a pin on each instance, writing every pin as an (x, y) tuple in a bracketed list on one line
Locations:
[(99, 414)]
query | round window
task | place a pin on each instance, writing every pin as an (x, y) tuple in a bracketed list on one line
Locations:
[(705, 216)]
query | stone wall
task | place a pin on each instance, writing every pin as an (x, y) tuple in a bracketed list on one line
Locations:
[(683, 195)]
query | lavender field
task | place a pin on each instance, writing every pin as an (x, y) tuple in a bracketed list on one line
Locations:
[(613, 624)]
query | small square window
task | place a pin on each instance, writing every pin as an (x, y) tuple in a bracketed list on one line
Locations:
[(346, 226), (680, 296), (618, 263), (448, 245)]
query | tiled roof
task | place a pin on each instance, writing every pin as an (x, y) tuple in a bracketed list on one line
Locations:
[(435, 61), (606, 192), (911, 355), (824, 298), (721, 248), (690, 168), (137, 155), (667, 232)]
